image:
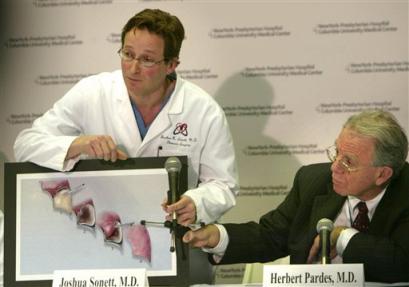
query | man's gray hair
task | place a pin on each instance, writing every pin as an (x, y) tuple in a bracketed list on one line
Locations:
[(391, 142)]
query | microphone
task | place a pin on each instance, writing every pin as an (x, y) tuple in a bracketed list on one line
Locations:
[(324, 228), (173, 167)]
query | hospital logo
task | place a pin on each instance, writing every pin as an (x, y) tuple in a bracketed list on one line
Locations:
[(181, 128)]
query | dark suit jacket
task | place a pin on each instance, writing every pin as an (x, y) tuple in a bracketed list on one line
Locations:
[(291, 228)]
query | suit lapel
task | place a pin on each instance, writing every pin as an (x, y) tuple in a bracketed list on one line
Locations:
[(326, 206), (159, 125), (388, 209), (125, 120)]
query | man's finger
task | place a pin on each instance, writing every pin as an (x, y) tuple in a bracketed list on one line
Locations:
[(188, 237), (121, 155), (186, 220), (97, 149), (106, 151), (314, 250), (176, 206), (196, 238)]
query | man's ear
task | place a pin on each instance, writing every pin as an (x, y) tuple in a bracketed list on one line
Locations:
[(172, 64), (383, 175)]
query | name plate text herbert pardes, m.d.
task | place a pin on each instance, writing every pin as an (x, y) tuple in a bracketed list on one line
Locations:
[(101, 278), (334, 275)]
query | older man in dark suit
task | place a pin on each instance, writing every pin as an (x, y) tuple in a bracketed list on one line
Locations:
[(368, 179)]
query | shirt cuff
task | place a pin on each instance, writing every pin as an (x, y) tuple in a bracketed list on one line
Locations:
[(344, 238), (219, 250), (70, 163)]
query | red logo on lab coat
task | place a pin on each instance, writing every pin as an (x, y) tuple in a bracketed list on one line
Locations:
[(181, 128)]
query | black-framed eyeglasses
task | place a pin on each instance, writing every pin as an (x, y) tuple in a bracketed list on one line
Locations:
[(144, 61)]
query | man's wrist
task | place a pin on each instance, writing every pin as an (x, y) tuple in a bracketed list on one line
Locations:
[(221, 246), (343, 239)]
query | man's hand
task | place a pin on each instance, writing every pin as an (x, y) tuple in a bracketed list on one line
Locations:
[(96, 146), (185, 210), (315, 248), (207, 237)]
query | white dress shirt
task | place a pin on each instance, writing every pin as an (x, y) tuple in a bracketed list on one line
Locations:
[(346, 217)]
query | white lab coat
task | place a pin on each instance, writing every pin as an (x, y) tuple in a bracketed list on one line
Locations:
[(191, 124)]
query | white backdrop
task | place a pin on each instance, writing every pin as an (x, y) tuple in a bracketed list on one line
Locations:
[(287, 73)]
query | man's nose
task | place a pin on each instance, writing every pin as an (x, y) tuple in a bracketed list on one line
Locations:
[(337, 166), (135, 66)]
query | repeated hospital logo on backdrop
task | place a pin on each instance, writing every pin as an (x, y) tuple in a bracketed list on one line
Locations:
[(286, 83)]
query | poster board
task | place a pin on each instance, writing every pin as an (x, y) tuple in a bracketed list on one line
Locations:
[(65, 220)]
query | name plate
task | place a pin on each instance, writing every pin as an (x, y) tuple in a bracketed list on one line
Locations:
[(100, 278), (334, 275)]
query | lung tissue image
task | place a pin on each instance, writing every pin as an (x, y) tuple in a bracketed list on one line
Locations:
[(59, 190), (109, 222), (140, 241), (85, 212)]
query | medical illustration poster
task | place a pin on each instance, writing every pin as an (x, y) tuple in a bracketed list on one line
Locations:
[(91, 220)]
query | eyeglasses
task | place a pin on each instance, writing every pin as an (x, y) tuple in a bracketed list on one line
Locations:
[(144, 61), (332, 153)]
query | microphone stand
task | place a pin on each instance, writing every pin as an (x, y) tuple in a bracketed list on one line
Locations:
[(325, 247), (324, 228), (176, 229), (173, 167)]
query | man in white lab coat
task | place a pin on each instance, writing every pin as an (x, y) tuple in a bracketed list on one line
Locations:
[(143, 110)]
